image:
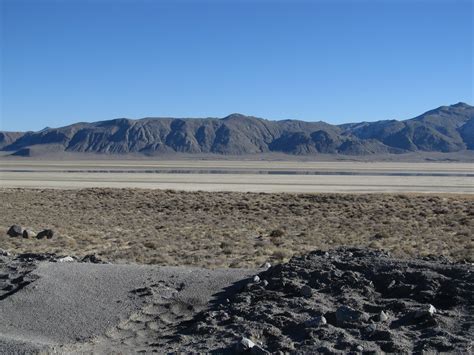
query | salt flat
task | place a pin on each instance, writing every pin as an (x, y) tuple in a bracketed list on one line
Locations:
[(242, 165), (254, 176)]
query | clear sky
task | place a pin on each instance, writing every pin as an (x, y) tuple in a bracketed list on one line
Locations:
[(65, 61)]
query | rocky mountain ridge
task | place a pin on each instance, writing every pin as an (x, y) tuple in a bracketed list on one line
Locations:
[(444, 129)]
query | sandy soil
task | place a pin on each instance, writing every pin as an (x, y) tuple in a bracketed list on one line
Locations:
[(221, 229)]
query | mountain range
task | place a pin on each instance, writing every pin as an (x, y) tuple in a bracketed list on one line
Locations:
[(444, 129)]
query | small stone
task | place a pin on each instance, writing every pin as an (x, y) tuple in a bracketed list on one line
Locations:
[(265, 283), (28, 234), (15, 231), (256, 279), (267, 265), (428, 311), (66, 259), (48, 233), (383, 316), (306, 291), (431, 310), (246, 343), (360, 348)]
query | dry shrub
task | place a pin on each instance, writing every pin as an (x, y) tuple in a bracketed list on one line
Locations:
[(380, 235), (150, 245), (277, 233), (281, 254), (218, 229)]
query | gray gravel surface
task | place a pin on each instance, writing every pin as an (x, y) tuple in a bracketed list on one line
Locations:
[(67, 303)]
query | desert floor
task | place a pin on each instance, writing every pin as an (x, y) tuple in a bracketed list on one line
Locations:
[(236, 213), (221, 229)]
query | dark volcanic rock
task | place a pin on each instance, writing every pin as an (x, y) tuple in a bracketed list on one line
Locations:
[(368, 301), (48, 233), (15, 231)]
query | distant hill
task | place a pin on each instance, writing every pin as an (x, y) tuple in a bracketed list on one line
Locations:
[(445, 129)]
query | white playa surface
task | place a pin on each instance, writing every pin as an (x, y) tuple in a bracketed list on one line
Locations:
[(255, 176)]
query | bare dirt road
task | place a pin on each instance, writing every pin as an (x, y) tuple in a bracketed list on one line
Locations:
[(254, 176)]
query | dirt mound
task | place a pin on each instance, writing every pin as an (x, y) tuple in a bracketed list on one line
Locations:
[(348, 300)]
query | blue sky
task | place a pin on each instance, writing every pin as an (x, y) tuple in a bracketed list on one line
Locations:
[(339, 61)]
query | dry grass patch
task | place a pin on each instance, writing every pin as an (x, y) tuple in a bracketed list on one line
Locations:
[(218, 229)]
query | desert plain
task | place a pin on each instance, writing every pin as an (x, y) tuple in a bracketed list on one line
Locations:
[(205, 255), (238, 214), (242, 176)]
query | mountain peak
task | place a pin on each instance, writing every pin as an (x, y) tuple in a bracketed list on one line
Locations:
[(461, 105), (235, 116)]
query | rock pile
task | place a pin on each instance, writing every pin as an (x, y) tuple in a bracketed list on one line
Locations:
[(18, 231), (349, 300)]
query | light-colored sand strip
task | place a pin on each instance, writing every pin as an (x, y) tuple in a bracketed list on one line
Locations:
[(241, 182), (293, 166)]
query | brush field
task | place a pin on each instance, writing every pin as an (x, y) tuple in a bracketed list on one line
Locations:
[(236, 229)]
